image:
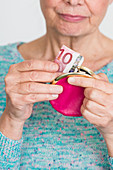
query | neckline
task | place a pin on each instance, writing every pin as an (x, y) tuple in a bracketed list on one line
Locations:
[(15, 53), (20, 57)]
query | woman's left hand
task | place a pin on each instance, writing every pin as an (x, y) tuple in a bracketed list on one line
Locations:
[(97, 105)]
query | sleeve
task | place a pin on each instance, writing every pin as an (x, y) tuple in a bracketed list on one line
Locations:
[(110, 159), (10, 153)]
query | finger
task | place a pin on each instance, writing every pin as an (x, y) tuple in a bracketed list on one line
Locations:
[(37, 76), (36, 88), (18, 100), (101, 76), (91, 82), (29, 65), (97, 120), (32, 76), (97, 96), (33, 98), (94, 107), (90, 117)]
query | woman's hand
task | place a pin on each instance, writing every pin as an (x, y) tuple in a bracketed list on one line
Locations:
[(97, 105), (25, 85)]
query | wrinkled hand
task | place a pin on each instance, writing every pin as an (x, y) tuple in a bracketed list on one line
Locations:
[(97, 105), (25, 84)]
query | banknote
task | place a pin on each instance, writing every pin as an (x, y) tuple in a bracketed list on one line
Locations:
[(68, 60)]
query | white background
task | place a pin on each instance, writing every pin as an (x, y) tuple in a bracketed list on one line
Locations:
[(22, 20)]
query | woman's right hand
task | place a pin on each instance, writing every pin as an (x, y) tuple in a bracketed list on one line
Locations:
[(25, 84)]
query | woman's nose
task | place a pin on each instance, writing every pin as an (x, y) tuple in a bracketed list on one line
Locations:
[(74, 2)]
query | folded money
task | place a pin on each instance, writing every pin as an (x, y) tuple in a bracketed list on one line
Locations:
[(68, 60)]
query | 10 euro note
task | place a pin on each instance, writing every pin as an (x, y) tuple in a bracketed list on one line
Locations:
[(68, 60)]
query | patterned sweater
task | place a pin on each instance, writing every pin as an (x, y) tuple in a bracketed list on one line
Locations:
[(50, 140)]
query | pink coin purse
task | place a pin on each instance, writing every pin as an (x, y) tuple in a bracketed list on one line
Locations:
[(70, 100)]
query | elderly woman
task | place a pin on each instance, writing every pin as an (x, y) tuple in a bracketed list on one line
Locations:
[(32, 134)]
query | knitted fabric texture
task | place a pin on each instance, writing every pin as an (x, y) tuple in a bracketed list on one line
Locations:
[(51, 140)]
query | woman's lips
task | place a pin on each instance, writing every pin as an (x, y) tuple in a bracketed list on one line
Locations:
[(72, 18)]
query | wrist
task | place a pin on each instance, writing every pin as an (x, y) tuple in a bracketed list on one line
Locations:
[(11, 128), (109, 143)]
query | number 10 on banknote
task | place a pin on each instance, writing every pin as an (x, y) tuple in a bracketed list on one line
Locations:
[(68, 60)]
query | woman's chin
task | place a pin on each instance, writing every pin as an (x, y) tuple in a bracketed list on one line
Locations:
[(71, 32), (72, 29)]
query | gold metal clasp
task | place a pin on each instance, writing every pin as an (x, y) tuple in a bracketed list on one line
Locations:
[(86, 70), (82, 71)]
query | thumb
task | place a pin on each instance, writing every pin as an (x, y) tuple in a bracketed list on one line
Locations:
[(101, 76)]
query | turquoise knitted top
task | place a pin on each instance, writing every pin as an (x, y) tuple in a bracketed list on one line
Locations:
[(50, 140)]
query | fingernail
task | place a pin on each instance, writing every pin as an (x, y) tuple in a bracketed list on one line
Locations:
[(54, 66), (96, 76), (59, 89), (71, 79), (55, 96)]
